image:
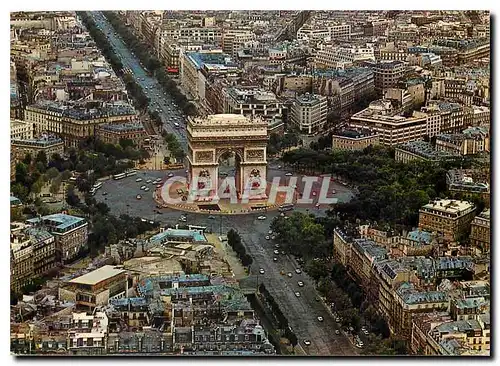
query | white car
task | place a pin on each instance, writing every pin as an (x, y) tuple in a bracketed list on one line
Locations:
[(146, 189), (138, 180), (298, 271), (320, 318), (148, 181), (300, 283), (289, 274), (307, 342), (138, 196), (143, 187), (268, 237), (261, 218), (170, 175), (261, 271), (297, 294), (288, 174), (273, 237), (275, 259), (276, 252), (270, 232), (337, 332), (182, 219)]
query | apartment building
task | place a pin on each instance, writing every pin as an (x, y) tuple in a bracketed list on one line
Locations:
[(252, 101), (50, 145), (206, 35), (392, 52), (308, 113), (43, 250), (422, 324), (70, 233), (95, 288), (197, 68), (472, 140), (75, 124), (342, 246), (21, 261), (482, 116), (353, 139), (386, 74), (364, 254), (455, 338), (317, 32), (341, 56), (88, 334), (467, 183), (480, 235), (391, 127), (420, 150), (134, 310), (388, 273), (409, 301), (20, 130), (376, 27), (234, 40), (113, 133), (415, 243), (446, 217), (344, 88)]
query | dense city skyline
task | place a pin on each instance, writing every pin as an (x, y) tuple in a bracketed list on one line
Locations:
[(250, 183)]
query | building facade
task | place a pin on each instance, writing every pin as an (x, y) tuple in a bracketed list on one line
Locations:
[(308, 113)]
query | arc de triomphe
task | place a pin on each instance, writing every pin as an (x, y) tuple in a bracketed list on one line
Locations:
[(211, 137)]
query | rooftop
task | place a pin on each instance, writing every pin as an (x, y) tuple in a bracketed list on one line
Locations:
[(308, 99), (354, 133), (120, 127), (201, 59), (370, 249), (411, 296), (100, 274), (420, 236), (450, 206), (59, 221), (42, 141), (425, 150), (176, 235)]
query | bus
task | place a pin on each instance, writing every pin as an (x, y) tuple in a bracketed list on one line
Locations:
[(97, 185), (131, 173), (119, 176), (286, 207)]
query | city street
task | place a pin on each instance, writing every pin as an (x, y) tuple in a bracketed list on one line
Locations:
[(160, 101)]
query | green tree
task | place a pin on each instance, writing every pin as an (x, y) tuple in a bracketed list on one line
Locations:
[(41, 157), (65, 175), (52, 173), (27, 159)]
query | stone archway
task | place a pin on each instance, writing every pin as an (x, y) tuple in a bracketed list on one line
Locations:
[(211, 137)]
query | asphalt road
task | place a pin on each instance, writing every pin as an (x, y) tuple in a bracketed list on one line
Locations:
[(159, 100)]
